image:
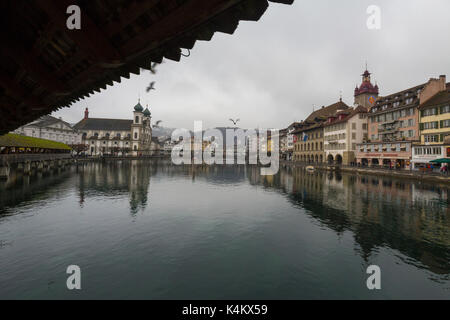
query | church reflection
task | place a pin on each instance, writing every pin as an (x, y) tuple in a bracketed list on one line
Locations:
[(403, 215)]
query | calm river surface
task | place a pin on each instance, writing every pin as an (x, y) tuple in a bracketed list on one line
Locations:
[(151, 230)]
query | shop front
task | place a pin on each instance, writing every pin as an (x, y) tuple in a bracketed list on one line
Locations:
[(424, 154), (384, 155)]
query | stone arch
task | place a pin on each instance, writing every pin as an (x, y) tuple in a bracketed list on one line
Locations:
[(330, 159)]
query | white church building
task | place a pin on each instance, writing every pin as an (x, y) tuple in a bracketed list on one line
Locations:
[(117, 137)]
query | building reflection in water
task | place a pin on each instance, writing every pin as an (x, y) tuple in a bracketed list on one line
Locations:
[(407, 216)]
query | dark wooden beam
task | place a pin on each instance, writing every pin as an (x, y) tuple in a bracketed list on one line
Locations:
[(129, 15), (90, 39), (18, 93), (182, 19), (29, 62)]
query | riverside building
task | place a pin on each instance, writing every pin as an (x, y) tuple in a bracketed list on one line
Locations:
[(119, 137), (309, 145), (393, 126), (342, 132), (434, 124)]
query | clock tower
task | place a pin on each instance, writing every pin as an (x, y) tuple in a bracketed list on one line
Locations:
[(367, 93)]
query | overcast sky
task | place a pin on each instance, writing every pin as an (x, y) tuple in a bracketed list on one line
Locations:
[(272, 72)]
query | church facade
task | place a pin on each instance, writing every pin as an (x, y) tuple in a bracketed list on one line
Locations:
[(117, 137)]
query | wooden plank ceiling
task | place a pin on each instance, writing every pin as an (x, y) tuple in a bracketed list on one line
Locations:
[(44, 66)]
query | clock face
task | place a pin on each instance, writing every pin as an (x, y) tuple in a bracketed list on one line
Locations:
[(372, 100)]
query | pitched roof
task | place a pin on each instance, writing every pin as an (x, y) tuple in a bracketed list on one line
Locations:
[(353, 112), (438, 99), (104, 124), (16, 140), (324, 112), (46, 121), (400, 96)]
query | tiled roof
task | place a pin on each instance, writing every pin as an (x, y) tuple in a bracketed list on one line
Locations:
[(325, 112), (104, 124), (16, 140), (46, 121), (438, 99), (358, 109), (400, 96)]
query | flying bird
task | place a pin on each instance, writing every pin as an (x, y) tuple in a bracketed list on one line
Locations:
[(151, 86), (156, 125), (234, 121)]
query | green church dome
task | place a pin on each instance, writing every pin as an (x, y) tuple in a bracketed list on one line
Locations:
[(138, 107)]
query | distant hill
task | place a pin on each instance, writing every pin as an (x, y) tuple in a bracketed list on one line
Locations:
[(162, 131)]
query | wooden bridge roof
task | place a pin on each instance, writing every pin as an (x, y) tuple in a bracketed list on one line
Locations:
[(19, 141), (44, 66)]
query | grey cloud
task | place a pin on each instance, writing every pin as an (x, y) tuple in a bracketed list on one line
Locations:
[(272, 72)]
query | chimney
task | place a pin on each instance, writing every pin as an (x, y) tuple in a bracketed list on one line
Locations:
[(443, 82), (433, 87), (86, 113)]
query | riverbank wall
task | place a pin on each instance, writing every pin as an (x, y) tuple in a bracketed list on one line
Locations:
[(400, 174)]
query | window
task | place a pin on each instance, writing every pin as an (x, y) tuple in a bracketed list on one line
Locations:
[(364, 126), (137, 119), (135, 135), (432, 138), (410, 122), (429, 112), (389, 117), (354, 126), (445, 109), (445, 123), (410, 133), (354, 136), (430, 125)]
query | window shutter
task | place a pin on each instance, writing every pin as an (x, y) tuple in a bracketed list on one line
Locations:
[(441, 125), (441, 137), (421, 126)]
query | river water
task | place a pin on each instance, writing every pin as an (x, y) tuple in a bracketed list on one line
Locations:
[(152, 230)]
